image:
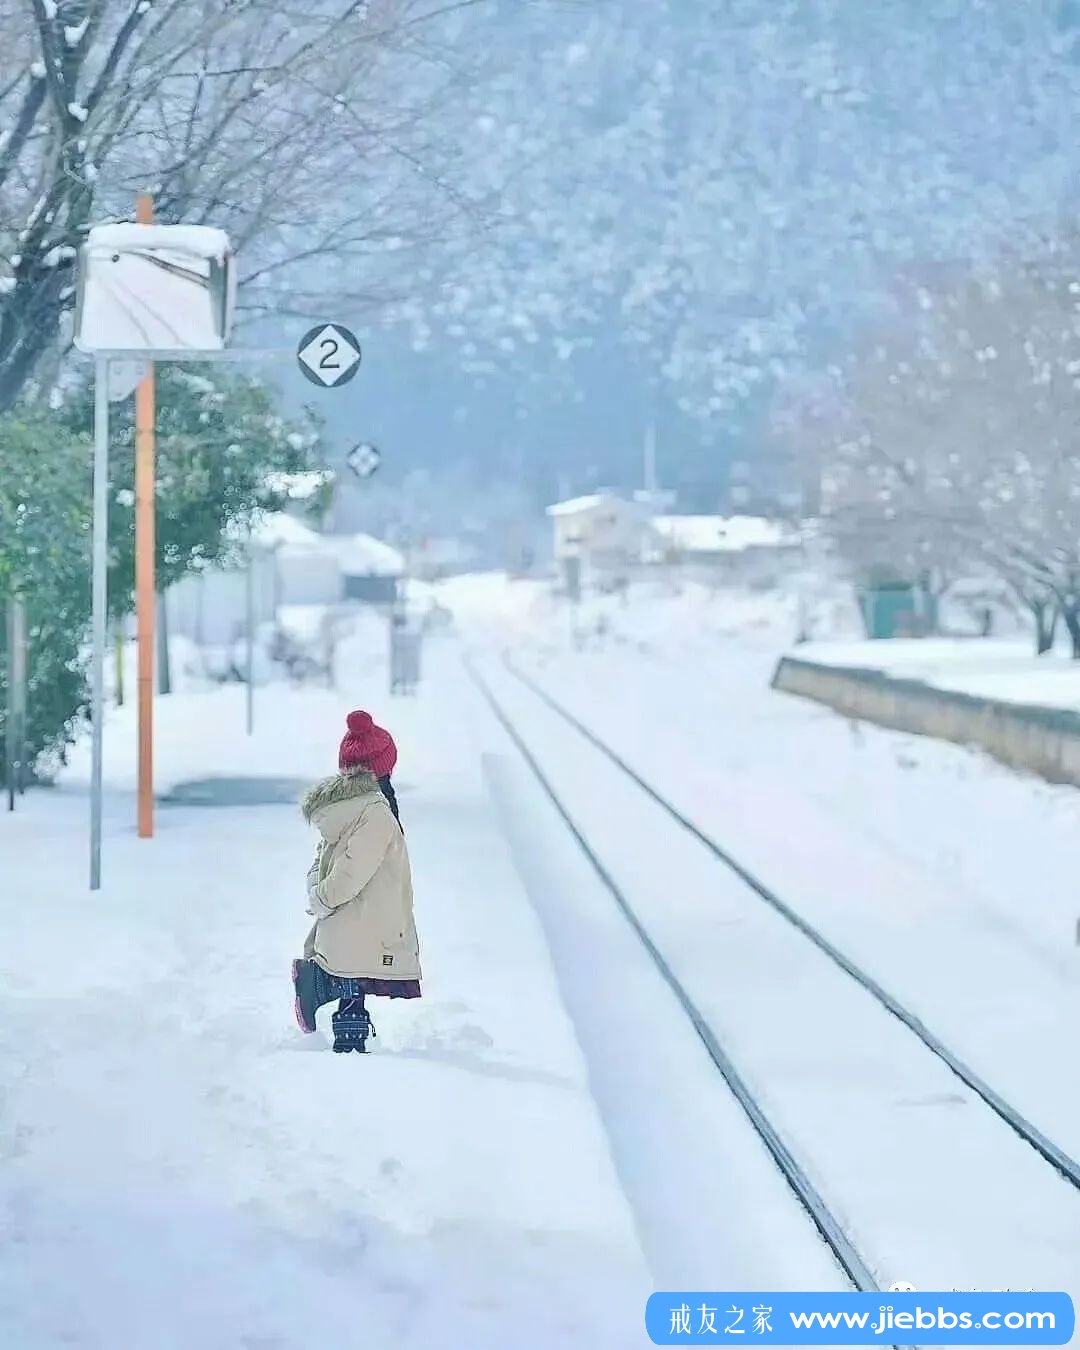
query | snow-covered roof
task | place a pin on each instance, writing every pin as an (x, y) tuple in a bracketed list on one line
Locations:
[(576, 505), (274, 529), (299, 487), (724, 534), (201, 241), (361, 555)]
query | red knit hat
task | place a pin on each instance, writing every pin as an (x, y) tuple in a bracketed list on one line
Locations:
[(367, 746)]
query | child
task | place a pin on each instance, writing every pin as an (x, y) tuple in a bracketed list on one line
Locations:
[(359, 890)]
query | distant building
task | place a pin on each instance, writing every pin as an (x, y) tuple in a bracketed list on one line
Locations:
[(292, 567), (371, 571), (288, 567), (305, 572), (744, 549), (597, 538)]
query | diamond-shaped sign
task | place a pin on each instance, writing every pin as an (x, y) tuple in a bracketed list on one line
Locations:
[(329, 355), (363, 460)]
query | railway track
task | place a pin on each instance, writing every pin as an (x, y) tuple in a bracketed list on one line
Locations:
[(833, 1232)]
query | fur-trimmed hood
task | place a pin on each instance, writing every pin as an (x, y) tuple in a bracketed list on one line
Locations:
[(338, 790)]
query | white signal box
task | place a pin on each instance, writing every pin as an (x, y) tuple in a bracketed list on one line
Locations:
[(147, 288)]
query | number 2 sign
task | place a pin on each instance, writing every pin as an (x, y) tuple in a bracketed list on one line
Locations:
[(329, 355)]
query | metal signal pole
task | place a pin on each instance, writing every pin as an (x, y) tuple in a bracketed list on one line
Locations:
[(145, 580)]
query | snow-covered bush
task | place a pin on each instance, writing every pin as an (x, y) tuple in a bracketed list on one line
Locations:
[(43, 556), (219, 442)]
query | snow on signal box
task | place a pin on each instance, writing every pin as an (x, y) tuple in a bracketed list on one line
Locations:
[(146, 288)]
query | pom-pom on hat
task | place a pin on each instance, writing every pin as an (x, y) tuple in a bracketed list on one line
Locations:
[(366, 745)]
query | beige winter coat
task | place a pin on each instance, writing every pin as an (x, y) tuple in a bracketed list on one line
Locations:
[(361, 873)]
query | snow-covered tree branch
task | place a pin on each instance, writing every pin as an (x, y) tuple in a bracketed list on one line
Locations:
[(307, 135), (952, 443)]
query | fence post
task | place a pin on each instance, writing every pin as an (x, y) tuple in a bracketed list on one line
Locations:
[(119, 653), (18, 666), (164, 665), (249, 635), (9, 702)]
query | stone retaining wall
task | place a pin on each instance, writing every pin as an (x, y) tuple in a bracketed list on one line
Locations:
[(1042, 741)]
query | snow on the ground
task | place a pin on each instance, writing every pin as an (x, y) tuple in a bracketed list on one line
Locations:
[(674, 614), (692, 618), (489, 603), (182, 753), (305, 624), (186, 664), (950, 878), (713, 1209), (926, 1179), (542, 1126), (985, 667), (181, 1167), (196, 736)]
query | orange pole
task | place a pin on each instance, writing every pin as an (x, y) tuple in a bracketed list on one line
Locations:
[(145, 582)]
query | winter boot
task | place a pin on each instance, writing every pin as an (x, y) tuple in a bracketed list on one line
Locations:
[(311, 987), (352, 1027)]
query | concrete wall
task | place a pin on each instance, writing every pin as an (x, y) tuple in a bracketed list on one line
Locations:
[(1042, 741)]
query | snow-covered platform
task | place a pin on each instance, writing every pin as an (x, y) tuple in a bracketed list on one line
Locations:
[(975, 693), (180, 1166), (1001, 669)]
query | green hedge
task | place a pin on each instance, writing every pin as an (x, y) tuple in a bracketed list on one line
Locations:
[(217, 441)]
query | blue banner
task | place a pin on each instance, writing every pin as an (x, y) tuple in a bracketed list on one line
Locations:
[(946, 1318)]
